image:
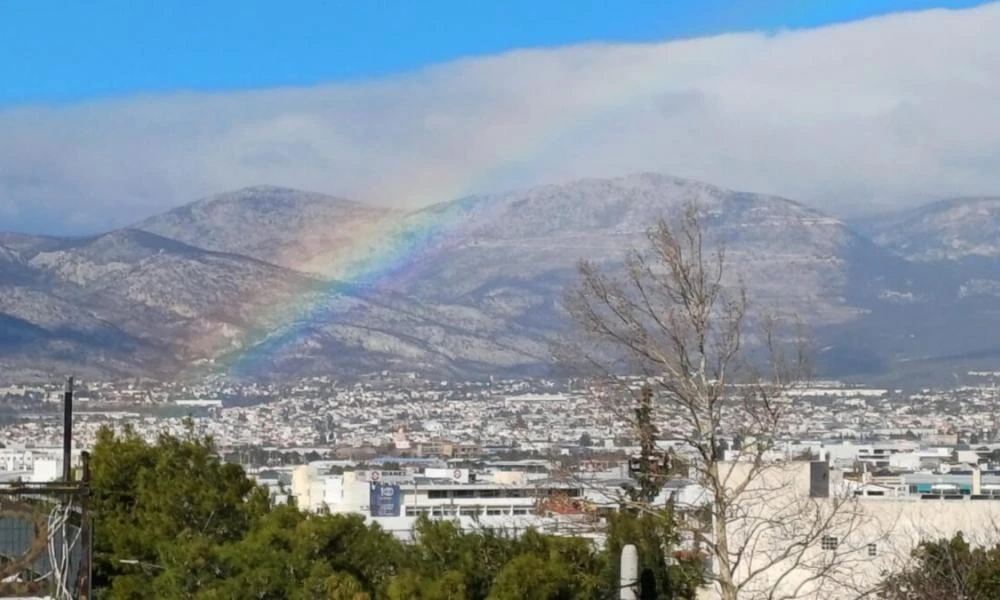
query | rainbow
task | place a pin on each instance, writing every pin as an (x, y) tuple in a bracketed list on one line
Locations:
[(387, 252)]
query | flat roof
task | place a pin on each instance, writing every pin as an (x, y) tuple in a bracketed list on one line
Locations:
[(452, 485)]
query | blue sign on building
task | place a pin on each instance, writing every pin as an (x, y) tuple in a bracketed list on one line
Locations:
[(386, 500)]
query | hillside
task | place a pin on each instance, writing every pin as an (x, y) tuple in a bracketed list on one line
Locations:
[(946, 230), (275, 282), (290, 228), (527, 244), (140, 301)]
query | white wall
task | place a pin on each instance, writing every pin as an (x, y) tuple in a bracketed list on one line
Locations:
[(46, 469), (784, 527), (909, 461)]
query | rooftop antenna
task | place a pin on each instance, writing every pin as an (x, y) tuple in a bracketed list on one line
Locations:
[(68, 431)]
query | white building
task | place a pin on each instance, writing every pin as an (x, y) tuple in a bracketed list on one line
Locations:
[(34, 465), (815, 536), (801, 526), (507, 499)]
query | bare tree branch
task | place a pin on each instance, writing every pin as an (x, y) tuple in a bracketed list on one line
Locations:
[(678, 318)]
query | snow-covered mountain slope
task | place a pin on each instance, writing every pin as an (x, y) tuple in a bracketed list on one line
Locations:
[(290, 228), (524, 246), (945, 230), (12, 265), (472, 286), (479, 281), (160, 307), (27, 245), (161, 289)]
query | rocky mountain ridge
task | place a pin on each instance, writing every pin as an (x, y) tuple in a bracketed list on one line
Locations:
[(286, 227), (951, 229), (276, 282)]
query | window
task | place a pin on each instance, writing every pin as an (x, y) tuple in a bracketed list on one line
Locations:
[(872, 549), (829, 542), (437, 494)]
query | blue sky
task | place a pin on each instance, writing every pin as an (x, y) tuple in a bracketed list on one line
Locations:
[(63, 52), (111, 113)]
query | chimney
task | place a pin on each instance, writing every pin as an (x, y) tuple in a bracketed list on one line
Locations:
[(977, 481)]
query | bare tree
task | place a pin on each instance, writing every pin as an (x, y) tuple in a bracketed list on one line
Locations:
[(678, 318)]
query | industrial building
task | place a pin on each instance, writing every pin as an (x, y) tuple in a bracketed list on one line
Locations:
[(396, 498)]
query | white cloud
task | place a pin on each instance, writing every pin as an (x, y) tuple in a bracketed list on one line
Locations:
[(877, 114)]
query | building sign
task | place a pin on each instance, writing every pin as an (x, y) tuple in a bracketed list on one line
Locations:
[(386, 500)]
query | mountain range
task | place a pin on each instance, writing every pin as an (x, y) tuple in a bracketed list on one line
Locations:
[(275, 282)]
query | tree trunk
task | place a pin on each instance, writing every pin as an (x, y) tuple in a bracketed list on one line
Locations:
[(727, 586)]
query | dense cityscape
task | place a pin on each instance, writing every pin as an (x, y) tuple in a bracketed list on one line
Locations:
[(544, 454), (399, 414)]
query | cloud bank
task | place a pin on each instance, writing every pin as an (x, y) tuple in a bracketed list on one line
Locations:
[(874, 115)]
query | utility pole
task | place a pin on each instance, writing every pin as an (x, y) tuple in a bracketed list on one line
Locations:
[(70, 495), (68, 431)]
